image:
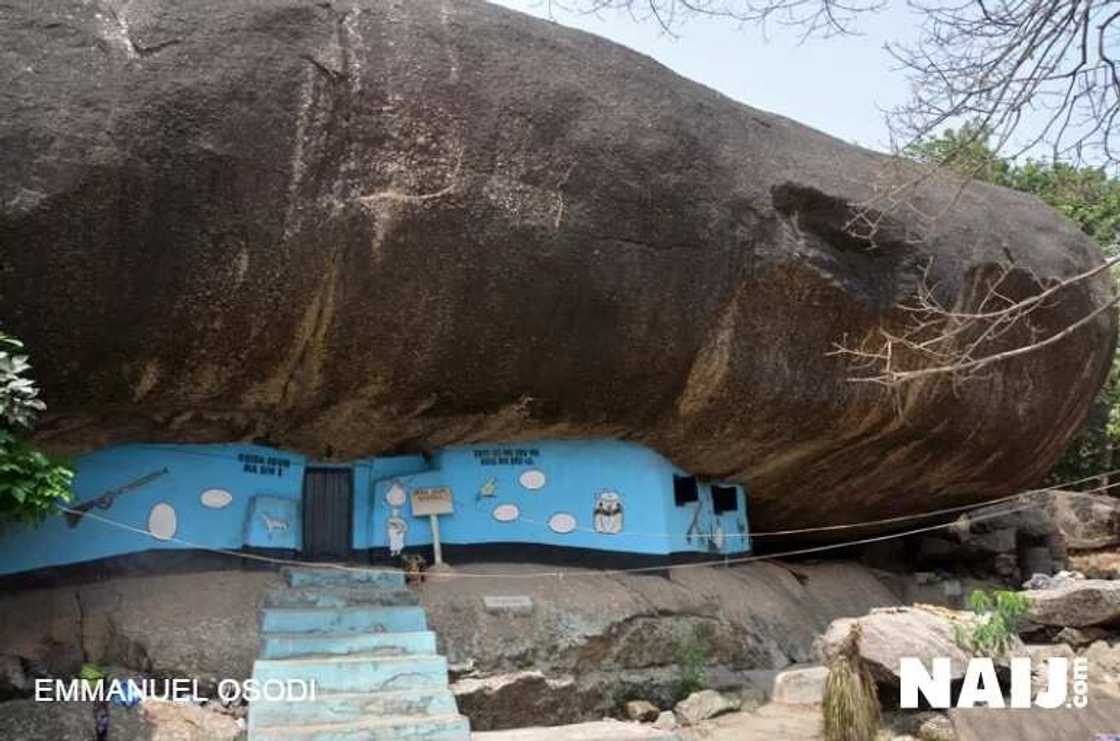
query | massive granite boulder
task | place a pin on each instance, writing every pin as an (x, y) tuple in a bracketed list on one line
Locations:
[(373, 225)]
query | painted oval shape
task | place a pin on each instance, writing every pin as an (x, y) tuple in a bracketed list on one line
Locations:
[(162, 521), (533, 479), (395, 496), (506, 512), (216, 498), (562, 522)]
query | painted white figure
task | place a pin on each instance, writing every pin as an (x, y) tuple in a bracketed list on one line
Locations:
[(274, 523), (162, 522), (718, 536), (608, 513), (395, 530), (395, 496)]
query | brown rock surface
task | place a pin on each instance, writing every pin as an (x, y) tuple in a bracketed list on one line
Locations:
[(1087, 521), (1077, 604), (891, 634), (360, 227)]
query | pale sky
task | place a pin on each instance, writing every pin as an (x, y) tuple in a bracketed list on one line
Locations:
[(838, 85)]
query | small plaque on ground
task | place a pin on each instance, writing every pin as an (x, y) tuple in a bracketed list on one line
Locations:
[(510, 605)]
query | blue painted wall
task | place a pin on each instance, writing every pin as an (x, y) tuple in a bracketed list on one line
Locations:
[(241, 470), (496, 500), (543, 492)]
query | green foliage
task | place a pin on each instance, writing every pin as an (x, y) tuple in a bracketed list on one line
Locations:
[(851, 701), (692, 657), (998, 615), (19, 402), (91, 673), (1090, 197), (31, 484)]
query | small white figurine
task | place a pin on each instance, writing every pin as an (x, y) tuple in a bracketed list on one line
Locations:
[(395, 529)]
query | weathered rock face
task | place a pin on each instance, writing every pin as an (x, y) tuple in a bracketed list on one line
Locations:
[(1086, 521), (359, 227), (1077, 604)]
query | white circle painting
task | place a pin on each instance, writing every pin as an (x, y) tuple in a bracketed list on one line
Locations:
[(533, 479), (162, 521), (562, 522), (216, 498), (395, 495), (506, 512)]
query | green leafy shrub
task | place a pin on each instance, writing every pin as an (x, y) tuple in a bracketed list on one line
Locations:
[(31, 484), (851, 701), (998, 615), (91, 673), (19, 398), (691, 654)]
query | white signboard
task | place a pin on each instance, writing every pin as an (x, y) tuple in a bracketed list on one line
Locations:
[(514, 604), (433, 501)]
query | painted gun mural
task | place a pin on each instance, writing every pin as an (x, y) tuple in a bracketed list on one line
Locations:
[(105, 501)]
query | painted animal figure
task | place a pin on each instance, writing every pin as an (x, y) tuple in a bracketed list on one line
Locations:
[(274, 524)]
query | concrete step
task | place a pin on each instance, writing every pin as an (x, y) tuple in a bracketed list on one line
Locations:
[(358, 672), (350, 707), (343, 619), (325, 577), (349, 596), (435, 728), (289, 645)]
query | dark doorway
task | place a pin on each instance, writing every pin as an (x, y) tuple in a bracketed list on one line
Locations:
[(328, 513)]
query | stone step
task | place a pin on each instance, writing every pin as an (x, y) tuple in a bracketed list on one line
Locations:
[(358, 672), (435, 728), (304, 576), (289, 645), (348, 596), (343, 619), (349, 707)]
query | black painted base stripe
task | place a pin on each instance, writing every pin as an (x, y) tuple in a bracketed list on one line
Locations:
[(185, 561)]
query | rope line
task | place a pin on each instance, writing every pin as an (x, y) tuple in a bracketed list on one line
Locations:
[(726, 561), (866, 523)]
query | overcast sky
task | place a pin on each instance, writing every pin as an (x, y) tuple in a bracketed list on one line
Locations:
[(837, 85)]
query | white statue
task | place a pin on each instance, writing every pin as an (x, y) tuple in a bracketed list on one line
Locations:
[(395, 529)]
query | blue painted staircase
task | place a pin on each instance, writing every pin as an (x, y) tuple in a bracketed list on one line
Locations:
[(364, 640)]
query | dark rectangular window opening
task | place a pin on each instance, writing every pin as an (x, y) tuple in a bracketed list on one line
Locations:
[(685, 490), (725, 499)]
